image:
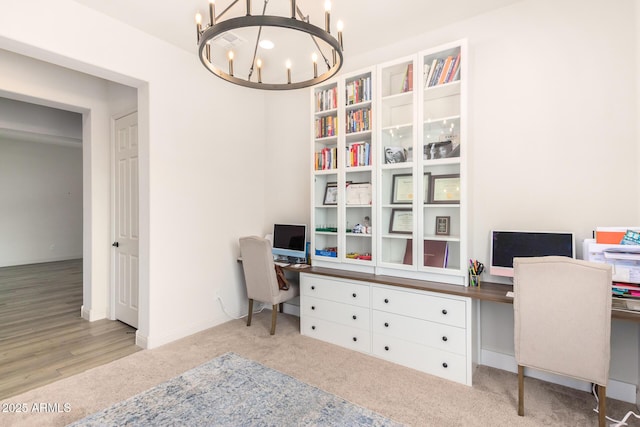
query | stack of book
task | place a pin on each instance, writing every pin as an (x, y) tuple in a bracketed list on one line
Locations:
[(326, 126), (407, 82), (442, 70), (326, 99), (325, 159), (358, 154), (358, 90), (358, 120)]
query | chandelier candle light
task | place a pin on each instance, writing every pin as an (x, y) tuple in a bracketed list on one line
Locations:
[(318, 43)]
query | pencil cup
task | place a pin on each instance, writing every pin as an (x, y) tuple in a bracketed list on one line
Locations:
[(474, 280)]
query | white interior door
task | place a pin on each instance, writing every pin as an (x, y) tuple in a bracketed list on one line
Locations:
[(125, 245)]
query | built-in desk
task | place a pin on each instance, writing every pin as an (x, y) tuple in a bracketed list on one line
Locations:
[(488, 291)]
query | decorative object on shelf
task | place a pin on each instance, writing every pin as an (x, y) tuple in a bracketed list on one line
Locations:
[(401, 221), (442, 225), (358, 193), (331, 194), (402, 189), (445, 189), (214, 55), (395, 155)]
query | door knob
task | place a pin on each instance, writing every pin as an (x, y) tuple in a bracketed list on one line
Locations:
[(116, 244)]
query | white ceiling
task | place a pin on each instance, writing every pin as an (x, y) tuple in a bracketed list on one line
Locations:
[(367, 24)]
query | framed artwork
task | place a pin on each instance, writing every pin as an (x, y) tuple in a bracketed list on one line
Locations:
[(358, 193), (402, 189), (331, 194), (427, 184), (401, 221), (395, 155), (445, 189), (443, 225)]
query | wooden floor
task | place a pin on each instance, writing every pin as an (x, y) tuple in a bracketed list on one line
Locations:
[(42, 336)]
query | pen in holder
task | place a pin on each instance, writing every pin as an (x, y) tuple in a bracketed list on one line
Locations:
[(475, 269)]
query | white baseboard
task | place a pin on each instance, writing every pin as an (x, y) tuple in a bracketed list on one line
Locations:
[(40, 260), (92, 315), (615, 389), (153, 341)]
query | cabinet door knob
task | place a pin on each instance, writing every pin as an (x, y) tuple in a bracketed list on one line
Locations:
[(313, 327), (354, 295), (444, 338), (444, 365), (355, 339), (313, 288), (386, 324), (313, 307), (355, 317), (386, 301), (386, 347), (444, 311), (116, 244)]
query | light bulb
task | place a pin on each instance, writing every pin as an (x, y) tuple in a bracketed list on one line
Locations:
[(327, 6), (314, 57), (198, 18), (288, 64), (340, 26), (230, 55), (259, 63)]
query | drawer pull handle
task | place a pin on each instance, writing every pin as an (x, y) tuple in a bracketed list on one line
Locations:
[(313, 327), (444, 338), (444, 311), (386, 347), (444, 365), (355, 317), (313, 288), (354, 295), (386, 301), (386, 324), (313, 307), (355, 339)]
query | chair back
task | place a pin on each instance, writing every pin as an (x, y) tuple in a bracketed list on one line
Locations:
[(259, 271), (562, 316)]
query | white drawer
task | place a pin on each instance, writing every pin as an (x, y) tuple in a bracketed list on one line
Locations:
[(345, 314), (426, 359), (432, 334), (344, 336), (335, 290), (420, 305)]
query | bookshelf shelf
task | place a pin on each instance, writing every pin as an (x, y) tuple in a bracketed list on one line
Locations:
[(396, 118)]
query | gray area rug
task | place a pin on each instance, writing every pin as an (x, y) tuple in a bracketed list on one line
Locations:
[(232, 391)]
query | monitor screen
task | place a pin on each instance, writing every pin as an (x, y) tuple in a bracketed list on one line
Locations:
[(290, 240), (506, 245)]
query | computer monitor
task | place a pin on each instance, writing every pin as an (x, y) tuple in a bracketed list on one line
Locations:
[(506, 245), (290, 240)]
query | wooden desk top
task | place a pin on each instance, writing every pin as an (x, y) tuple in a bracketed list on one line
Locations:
[(488, 291)]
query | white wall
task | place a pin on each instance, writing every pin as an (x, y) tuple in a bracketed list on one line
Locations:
[(552, 131), (200, 151), (41, 210)]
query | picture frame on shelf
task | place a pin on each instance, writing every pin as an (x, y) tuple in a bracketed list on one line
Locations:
[(358, 193), (441, 150), (427, 186), (401, 221), (331, 194), (402, 189), (443, 225), (444, 189), (395, 154)]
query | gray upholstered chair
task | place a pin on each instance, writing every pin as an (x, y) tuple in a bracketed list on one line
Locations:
[(562, 316), (260, 277)]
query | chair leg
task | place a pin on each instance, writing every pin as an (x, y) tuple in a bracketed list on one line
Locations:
[(274, 314), (602, 405), (281, 307), (521, 390), (250, 312)]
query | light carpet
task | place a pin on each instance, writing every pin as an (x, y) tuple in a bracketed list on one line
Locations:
[(232, 391)]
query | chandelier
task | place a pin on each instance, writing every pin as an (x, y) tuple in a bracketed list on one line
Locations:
[(300, 51)]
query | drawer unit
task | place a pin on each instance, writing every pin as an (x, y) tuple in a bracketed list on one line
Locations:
[(335, 290), (426, 359), (344, 336), (345, 314), (425, 306), (436, 335)]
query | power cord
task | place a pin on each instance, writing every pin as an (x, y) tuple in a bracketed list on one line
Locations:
[(262, 306), (620, 423)]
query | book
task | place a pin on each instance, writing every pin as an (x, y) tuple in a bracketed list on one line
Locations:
[(445, 70), (432, 68), (436, 253), (455, 70)]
